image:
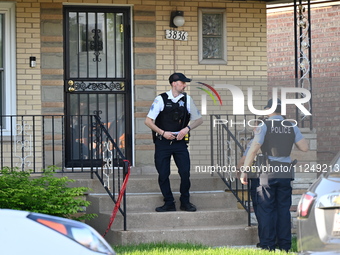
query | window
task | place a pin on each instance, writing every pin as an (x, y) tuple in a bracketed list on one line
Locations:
[(7, 63), (212, 36)]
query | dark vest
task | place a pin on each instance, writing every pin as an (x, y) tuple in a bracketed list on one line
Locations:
[(279, 139), (174, 116)]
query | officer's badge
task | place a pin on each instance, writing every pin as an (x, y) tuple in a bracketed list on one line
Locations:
[(181, 104)]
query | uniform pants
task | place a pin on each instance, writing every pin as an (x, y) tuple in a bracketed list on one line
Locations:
[(254, 183), (274, 198), (164, 149)]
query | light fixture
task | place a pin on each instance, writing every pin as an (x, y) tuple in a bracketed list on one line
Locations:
[(33, 62), (177, 19)]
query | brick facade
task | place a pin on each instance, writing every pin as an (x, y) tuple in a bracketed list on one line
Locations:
[(28, 44), (325, 29), (40, 90), (39, 27)]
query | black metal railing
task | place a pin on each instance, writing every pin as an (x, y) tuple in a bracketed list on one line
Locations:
[(115, 165), (229, 136), (72, 144)]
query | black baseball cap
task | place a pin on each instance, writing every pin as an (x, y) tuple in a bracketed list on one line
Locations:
[(178, 77), (270, 103)]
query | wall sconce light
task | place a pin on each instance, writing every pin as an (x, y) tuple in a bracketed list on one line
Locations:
[(33, 62), (177, 19)]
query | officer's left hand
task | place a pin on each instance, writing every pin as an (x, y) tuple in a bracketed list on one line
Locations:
[(244, 179), (182, 133)]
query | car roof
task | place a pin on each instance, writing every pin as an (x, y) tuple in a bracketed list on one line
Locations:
[(13, 213)]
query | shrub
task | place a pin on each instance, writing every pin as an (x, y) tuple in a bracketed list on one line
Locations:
[(44, 194)]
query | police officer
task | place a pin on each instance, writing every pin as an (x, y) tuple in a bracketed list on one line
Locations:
[(274, 193), (169, 118)]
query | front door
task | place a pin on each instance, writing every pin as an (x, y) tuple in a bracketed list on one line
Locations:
[(97, 78)]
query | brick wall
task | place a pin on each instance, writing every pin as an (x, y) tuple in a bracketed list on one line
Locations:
[(145, 77), (39, 27), (52, 58), (28, 44), (325, 27), (246, 59), (246, 45)]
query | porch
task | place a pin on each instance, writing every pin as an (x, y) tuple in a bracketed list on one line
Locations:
[(82, 147), (77, 145)]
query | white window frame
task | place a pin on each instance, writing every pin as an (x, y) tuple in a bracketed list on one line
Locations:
[(200, 38), (9, 107)]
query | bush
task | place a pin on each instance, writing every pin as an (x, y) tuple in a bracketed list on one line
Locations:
[(44, 194)]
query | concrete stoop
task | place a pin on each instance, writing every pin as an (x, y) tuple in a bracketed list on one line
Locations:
[(212, 236), (217, 221)]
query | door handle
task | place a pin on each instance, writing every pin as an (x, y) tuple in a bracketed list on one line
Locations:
[(71, 86)]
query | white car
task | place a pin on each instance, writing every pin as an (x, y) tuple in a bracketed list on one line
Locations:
[(319, 213), (31, 233)]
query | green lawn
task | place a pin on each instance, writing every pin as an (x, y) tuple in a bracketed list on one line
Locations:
[(189, 249)]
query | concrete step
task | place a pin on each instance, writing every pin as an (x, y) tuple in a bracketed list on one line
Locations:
[(208, 227), (199, 182), (154, 220), (209, 235), (149, 183), (217, 221), (147, 202)]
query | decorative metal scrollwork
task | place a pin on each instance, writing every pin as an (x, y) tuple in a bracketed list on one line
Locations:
[(23, 146), (106, 149), (99, 86), (96, 45), (108, 164), (230, 159), (303, 74)]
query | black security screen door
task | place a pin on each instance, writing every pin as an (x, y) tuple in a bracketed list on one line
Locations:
[(97, 78)]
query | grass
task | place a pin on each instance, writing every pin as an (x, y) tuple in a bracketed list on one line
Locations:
[(190, 249)]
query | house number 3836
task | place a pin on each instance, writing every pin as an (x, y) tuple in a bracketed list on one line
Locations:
[(176, 35)]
